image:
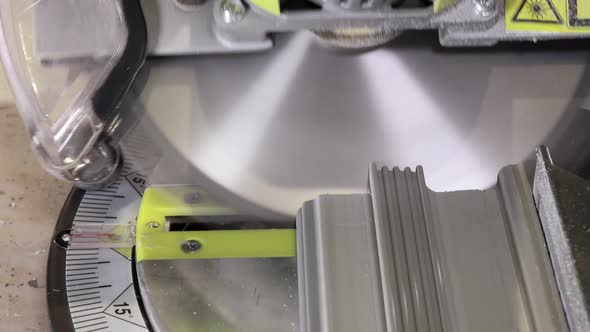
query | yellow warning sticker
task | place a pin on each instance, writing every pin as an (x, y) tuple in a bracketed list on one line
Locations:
[(548, 15)]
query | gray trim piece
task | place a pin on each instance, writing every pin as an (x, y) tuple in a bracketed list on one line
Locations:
[(335, 295), (454, 261), (400, 202), (530, 253), (562, 200)]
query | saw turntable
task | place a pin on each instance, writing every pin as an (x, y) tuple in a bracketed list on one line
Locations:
[(242, 165)]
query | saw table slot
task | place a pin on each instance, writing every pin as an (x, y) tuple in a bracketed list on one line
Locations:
[(221, 222)]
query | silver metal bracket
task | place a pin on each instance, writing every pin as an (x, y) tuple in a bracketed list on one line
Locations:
[(221, 26)]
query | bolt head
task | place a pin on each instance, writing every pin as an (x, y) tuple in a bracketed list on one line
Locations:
[(191, 246), (191, 198), (66, 237), (485, 7), (232, 11)]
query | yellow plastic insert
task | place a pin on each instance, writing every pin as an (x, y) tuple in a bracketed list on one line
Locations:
[(153, 242)]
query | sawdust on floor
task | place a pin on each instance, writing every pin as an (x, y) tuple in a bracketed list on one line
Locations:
[(30, 201)]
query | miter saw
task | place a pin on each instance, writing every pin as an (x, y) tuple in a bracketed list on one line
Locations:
[(219, 152)]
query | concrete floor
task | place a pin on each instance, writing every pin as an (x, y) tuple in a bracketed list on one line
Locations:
[(30, 201)]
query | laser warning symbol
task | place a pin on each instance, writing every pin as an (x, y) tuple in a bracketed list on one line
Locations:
[(537, 11)]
